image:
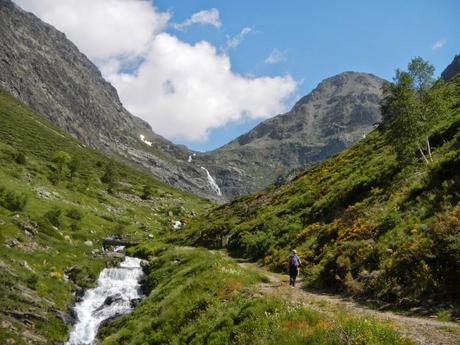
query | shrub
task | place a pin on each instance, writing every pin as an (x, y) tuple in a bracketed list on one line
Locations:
[(74, 226), (32, 281), (110, 177), (54, 216), (119, 230), (74, 166), (61, 159), (390, 220), (20, 158), (74, 214), (256, 243), (146, 192), (12, 201)]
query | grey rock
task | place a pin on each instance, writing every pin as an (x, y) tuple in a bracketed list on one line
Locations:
[(43, 193), (68, 319), (452, 70), (29, 227), (135, 302)]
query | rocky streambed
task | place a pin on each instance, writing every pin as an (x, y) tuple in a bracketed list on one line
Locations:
[(116, 291)]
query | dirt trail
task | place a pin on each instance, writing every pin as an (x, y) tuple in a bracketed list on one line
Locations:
[(423, 331)]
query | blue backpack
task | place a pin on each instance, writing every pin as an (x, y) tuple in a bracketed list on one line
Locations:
[(294, 260)]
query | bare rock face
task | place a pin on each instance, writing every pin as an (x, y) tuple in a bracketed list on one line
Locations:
[(340, 111), (41, 67), (452, 70)]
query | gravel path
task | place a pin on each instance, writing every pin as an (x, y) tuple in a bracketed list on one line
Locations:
[(423, 331)]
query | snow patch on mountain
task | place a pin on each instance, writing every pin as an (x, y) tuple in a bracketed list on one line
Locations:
[(145, 141)]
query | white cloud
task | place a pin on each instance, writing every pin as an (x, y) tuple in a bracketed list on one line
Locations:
[(182, 90), (276, 56), (209, 17), (439, 44), (103, 29), (234, 41)]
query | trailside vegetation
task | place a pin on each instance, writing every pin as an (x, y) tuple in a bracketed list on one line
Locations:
[(195, 296)]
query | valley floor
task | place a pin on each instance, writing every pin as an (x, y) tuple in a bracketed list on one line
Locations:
[(423, 331)]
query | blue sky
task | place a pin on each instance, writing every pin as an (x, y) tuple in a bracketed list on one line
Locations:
[(204, 72), (323, 38)]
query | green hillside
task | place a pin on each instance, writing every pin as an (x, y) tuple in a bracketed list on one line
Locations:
[(59, 200), (364, 223), (54, 214)]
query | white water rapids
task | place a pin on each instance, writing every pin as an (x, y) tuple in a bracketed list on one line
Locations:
[(116, 288)]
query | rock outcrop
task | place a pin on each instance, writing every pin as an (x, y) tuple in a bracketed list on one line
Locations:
[(452, 70)]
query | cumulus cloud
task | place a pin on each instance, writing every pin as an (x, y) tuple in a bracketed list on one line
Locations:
[(182, 90), (276, 56), (439, 44), (209, 17), (103, 29)]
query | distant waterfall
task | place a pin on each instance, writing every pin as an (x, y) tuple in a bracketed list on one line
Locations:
[(215, 187), (116, 288)]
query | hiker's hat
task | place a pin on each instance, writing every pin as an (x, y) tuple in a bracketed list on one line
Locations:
[(294, 251)]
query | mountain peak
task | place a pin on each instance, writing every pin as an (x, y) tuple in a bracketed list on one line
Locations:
[(340, 111), (348, 81)]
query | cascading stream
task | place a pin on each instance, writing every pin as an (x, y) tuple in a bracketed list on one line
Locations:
[(116, 289)]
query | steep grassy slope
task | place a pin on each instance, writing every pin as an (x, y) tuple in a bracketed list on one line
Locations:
[(54, 213), (363, 224), (201, 297)]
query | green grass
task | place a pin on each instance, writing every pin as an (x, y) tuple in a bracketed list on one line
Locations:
[(443, 315), (363, 224), (47, 215), (200, 297)]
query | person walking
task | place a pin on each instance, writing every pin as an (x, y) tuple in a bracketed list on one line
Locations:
[(294, 264)]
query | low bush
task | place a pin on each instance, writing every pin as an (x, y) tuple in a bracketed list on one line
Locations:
[(54, 216), (74, 214), (20, 158), (12, 201)]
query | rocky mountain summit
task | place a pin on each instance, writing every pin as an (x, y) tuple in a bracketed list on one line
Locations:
[(340, 111), (41, 67)]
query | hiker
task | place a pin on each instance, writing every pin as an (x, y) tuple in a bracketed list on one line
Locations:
[(294, 263)]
